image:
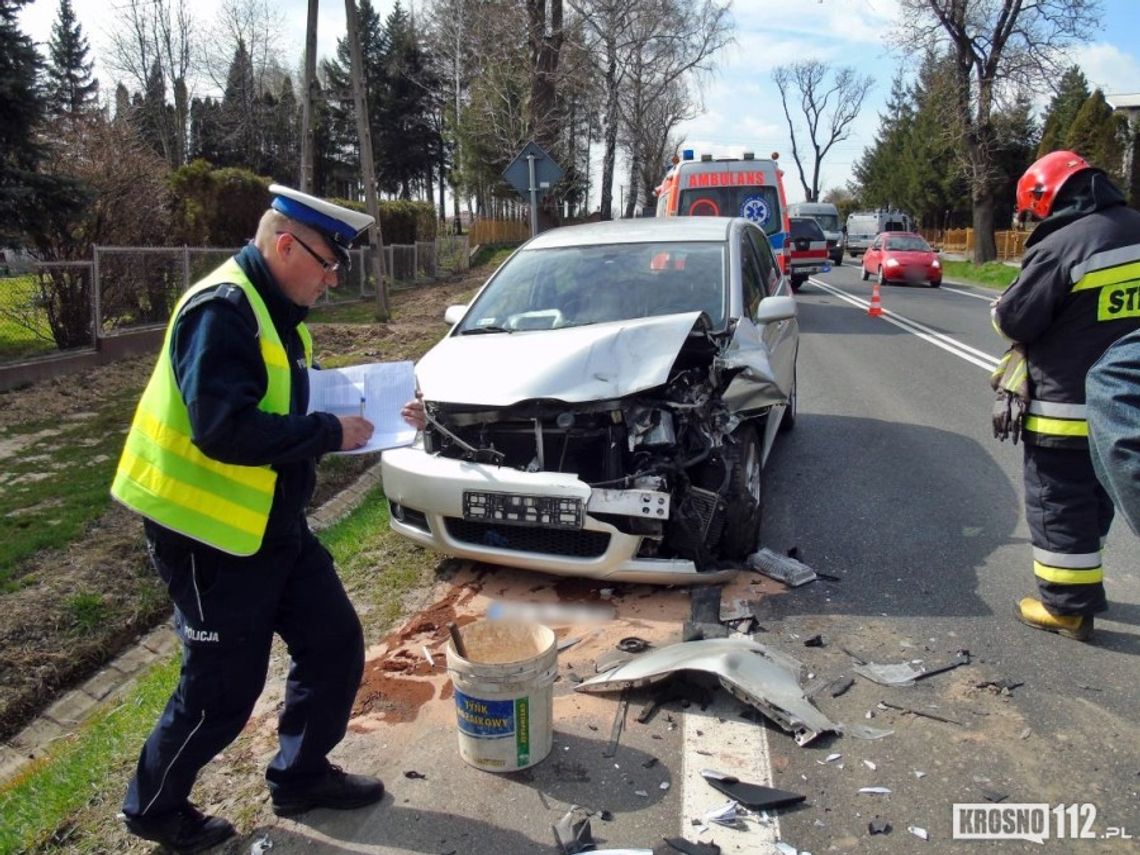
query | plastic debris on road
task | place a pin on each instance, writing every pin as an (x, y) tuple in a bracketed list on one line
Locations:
[(918, 832), (782, 568)]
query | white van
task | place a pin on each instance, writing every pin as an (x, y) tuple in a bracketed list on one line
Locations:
[(862, 226), (827, 215)]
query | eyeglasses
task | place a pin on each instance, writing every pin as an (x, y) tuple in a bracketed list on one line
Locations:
[(326, 265)]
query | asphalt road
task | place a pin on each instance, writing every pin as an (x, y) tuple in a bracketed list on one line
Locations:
[(891, 482)]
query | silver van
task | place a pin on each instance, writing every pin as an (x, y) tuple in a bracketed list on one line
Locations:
[(862, 226), (827, 215)]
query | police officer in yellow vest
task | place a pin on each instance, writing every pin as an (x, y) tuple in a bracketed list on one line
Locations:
[(220, 461)]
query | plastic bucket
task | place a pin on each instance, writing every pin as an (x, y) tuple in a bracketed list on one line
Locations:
[(504, 696)]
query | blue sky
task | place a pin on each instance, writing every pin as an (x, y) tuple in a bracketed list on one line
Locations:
[(742, 106)]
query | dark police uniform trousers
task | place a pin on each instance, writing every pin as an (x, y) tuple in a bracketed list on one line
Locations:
[(226, 612)]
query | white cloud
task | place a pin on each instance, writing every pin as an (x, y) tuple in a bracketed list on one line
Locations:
[(1108, 67)]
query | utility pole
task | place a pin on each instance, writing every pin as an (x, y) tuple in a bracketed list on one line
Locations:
[(367, 166), (307, 117)]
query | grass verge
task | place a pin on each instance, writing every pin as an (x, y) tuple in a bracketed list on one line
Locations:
[(992, 274), (67, 800)]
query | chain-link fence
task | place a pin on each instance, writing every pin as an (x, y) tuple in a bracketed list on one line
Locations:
[(46, 309), (63, 306)]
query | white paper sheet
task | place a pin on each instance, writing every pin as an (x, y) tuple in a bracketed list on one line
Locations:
[(376, 391)]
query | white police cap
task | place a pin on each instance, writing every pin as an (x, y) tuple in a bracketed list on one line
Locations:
[(340, 226)]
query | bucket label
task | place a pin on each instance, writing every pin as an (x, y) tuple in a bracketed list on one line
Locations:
[(484, 719)]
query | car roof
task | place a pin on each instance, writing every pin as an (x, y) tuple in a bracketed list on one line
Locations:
[(901, 234), (639, 230)]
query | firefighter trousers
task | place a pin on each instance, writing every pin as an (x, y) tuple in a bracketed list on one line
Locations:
[(1069, 515)]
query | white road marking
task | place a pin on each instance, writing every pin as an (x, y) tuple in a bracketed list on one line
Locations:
[(947, 343), (986, 297), (718, 738)]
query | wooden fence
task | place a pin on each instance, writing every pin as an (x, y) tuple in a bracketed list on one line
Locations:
[(498, 231), (1010, 244)]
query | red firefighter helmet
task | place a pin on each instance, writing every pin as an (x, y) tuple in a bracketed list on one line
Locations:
[(1037, 188)]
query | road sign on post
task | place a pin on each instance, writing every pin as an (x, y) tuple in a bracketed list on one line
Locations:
[(532, 173)]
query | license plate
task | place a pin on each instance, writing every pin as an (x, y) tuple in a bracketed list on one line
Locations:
[(515, 509)]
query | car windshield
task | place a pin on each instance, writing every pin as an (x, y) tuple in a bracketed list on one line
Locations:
[(828, 222), (804, 227), (573, 286), (760, 204), (908, 244)]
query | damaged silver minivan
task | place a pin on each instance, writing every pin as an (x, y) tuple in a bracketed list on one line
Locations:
[(604, 406)]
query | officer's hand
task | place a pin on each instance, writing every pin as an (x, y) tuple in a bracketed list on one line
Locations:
[(355, 431), (413, 411)]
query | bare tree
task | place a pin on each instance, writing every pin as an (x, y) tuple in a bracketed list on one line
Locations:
[(661, 41), (545, 40), (157, 34), (828, 110), (995, 45)]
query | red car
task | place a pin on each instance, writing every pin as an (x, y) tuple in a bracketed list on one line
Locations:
[(902, 257)]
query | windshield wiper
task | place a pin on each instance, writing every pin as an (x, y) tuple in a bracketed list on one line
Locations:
[(486, 329)]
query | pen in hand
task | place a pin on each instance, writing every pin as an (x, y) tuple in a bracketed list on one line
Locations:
[(362, 406)]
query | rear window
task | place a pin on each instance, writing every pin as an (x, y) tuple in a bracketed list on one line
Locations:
[(907, 243), (761, 204), (804, 227)]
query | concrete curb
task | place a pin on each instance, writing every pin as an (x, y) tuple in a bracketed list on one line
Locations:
[(107, 687)]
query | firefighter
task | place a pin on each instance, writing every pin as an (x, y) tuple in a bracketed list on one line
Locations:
[(1076, 294)]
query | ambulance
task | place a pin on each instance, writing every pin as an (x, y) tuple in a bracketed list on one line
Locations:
[(748, 187)]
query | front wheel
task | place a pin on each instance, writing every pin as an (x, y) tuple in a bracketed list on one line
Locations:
[(796, 282), (937, 284), (744, 496), (866, 274)]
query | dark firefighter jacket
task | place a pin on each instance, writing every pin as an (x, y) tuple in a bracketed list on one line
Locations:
[(1078, 292)]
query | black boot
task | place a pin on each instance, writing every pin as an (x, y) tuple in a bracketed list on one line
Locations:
[(184, 831), (337, 789)]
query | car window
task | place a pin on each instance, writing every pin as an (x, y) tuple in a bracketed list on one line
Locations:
[(908, 243), (769, 270), (878, 244), (751, 278), (759, 205), (573, 286), (803, 227)]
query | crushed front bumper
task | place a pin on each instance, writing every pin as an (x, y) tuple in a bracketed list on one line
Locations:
[(543, 521)]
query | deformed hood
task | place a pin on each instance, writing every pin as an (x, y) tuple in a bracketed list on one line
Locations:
[(573, 364)]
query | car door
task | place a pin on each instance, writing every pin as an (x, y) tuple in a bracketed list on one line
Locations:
[(769, 350), (873, 256)]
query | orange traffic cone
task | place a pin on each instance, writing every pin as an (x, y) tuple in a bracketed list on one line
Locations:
[(876, 307)]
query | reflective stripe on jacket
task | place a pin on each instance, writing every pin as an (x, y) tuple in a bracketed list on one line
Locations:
[(1077, 293), (165, 477)]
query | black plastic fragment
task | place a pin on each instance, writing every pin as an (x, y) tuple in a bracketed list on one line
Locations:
[(754, 796)]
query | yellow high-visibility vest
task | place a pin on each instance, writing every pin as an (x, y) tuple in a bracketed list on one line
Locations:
[(165, 477)]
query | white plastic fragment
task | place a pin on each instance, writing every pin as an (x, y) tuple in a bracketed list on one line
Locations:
[(641, 793), (664, 785), (918, 832), (782, 568), (919, 774), (875, 791), (726, 814), (261, 845), (870, 765), (831, 758), (786, 848), (428, 656)]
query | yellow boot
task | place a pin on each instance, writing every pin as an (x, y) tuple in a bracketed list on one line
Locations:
[(1032, 612)]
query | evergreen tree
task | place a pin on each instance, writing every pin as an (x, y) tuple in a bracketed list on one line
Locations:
[(71, 89), (239, 114), (1072, 92), (407, 142), (122, 102), (936, 192), (150, 111), (342, 160), (1016, 134), (1100, 135), (881, 182)]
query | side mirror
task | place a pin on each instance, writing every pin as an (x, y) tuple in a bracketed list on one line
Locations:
[(773, 309), (454, 314)]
